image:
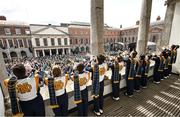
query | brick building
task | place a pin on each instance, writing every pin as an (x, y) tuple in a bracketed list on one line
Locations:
[(15, 39), (79, 33), (130, 34)]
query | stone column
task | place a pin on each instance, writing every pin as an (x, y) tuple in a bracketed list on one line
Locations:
[(63, 51), (35, 53), (43, 52), (57, 52), (50, 52), (3, 73), (164, 41), (69, 50), (97, 26), (144, 26)]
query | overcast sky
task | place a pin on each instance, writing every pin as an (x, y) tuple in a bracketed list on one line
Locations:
[(116, 12)]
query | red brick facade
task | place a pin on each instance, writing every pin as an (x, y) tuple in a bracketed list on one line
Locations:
[(80, 37)]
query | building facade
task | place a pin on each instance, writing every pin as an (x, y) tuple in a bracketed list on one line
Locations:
[(79, 33), (15, 39), (49, 40), (130, 35)]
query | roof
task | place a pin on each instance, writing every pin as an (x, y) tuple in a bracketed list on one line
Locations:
[(152, 24), (48, 29), (13, 23)]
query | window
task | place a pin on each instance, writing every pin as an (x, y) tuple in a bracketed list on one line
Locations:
[(154, 39), (133, 39), (65, 41), (76, 41), (52, 41), (45, 42), (37, 42), (27, 31), (70, 41), (18, 31), (10, 43), (20, 43), (122, 39), (7, 31), (29, 42), (81, 41), (129, 40), (111, 40), (86, 41), (59, 41), (1, 44), (125, 40)]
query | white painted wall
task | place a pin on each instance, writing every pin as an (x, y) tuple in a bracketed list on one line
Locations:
[(175, 36)]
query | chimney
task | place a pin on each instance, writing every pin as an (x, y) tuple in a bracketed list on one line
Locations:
[(120, 26), (3, 18), (137, 22), (158, 18)]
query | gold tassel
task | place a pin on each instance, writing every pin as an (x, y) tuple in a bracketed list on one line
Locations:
[(93, 96), (130, 78), (77, 102), (18, 115), (116, 82), (54, 106)]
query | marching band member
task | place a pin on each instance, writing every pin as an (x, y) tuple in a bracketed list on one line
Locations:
[(130, 73), (145, 75), (26, 89), (171, 54), (166, 62), (158, 68), (140, 71), (57, 91), (98, 73), (81, 79), (175, 53), (116, 67)]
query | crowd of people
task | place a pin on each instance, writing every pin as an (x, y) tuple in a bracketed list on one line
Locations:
[(28, 75)]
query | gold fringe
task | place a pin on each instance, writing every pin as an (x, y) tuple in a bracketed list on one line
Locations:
[(93, 96), (18, 115), (130, 78), (116, 82), (54, 106), (138, 75), (77, 102)]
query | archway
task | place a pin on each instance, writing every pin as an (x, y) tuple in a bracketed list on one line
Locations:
[(23, 54), (4, 55), (77, 50), (87, 49), (82, 49), (13, 54)]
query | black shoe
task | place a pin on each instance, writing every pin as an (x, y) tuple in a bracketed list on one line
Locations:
[(128, 95)]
